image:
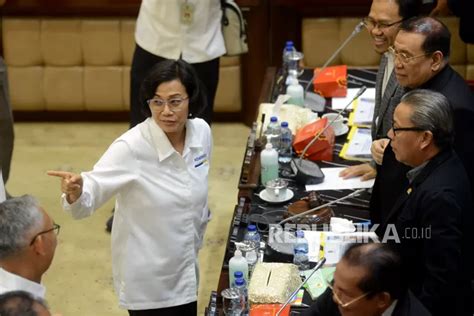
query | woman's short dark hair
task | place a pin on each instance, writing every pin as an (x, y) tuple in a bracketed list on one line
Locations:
[(169, 70)]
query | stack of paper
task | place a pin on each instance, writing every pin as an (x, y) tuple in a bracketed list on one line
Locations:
[(358, 145)]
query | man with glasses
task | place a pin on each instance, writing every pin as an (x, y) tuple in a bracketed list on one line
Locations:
[(383, 23), (421, 51), (27, 245), (367, 282), (431, 221)]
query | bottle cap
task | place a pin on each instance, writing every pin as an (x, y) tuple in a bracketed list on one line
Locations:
[(289, 43), (284, 124), (239, 281), (269, 146), (252, 228), (274, 119), (238, 274), (238, 253)]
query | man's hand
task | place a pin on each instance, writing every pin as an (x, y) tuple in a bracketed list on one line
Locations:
[(378, 148), (71, 184), (365, 171)]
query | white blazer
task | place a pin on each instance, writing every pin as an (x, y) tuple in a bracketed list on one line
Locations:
[(160, 213)]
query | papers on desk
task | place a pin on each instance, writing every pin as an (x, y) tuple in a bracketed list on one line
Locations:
[(363, 113), (332, 181), (333, 245), (340, 103), (358, 145)]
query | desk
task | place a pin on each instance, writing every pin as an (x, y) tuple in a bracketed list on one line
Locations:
[(249, 204)]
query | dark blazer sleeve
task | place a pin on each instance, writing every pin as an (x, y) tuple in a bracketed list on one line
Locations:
[(442, 250), (324, 306)]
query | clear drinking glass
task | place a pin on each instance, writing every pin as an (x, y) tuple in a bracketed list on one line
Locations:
[(232, 302)]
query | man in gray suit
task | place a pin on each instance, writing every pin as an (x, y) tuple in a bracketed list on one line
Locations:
[(383, 24)]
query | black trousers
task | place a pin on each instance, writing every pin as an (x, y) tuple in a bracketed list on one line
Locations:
[(6, 124), (143, 61), (181, 310)]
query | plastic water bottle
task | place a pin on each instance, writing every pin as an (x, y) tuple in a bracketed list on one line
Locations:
[(273, 133), (241, 285), (300, 251), (296, 92), (252, 240), (287, 50), (238, 264), (269, 164), (286, 144)]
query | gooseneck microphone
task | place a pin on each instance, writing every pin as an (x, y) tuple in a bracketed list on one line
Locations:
[(356, 31), (308, 171), (355, 193), (316, 268)]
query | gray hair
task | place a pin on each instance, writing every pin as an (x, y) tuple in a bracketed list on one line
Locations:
[(18, 216), (432, 112)]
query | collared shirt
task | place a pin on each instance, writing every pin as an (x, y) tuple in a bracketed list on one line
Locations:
[(160, 212), (390, 309), (161, 31), (411, 174), (388, 70), (2, 188), (12, 282)]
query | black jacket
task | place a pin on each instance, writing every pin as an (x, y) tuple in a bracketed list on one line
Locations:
[(391, 175), (407, 305), (432, 220)]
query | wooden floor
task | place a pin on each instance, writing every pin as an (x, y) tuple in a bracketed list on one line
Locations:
[(79, 281)]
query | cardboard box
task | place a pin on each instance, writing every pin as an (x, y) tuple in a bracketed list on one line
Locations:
[(322, 149), (332, 82)]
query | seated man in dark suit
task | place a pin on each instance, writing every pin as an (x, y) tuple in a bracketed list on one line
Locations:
[(431, 221), (367, 282)]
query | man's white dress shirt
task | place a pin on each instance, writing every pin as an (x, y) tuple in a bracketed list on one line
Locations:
[(160, 212), (160, 31), (12, 282)]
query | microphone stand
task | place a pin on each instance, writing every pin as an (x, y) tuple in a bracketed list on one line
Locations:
[(316, 268), (308, 170), (355, 193), (356, 31), (359, 93)]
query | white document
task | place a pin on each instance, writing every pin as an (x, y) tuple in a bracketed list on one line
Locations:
[(332, 181), (364, 111), (340, 103), (333, 245), (360, 143)]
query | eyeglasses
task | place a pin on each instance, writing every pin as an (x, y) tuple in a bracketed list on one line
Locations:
[(56, 228), (339, 301), (174, 103), (371, 23), (404, 58), (401, 129)]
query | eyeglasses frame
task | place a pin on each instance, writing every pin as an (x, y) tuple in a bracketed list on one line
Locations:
[(380, 26), (56, 228), (173, 108), (404, 60), (339, 301)]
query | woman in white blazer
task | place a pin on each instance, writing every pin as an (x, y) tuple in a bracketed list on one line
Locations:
[(158, 173)]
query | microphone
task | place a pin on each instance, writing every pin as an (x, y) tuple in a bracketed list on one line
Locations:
[(316, 268), (355, 193), (316, 98), (307, 171)]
